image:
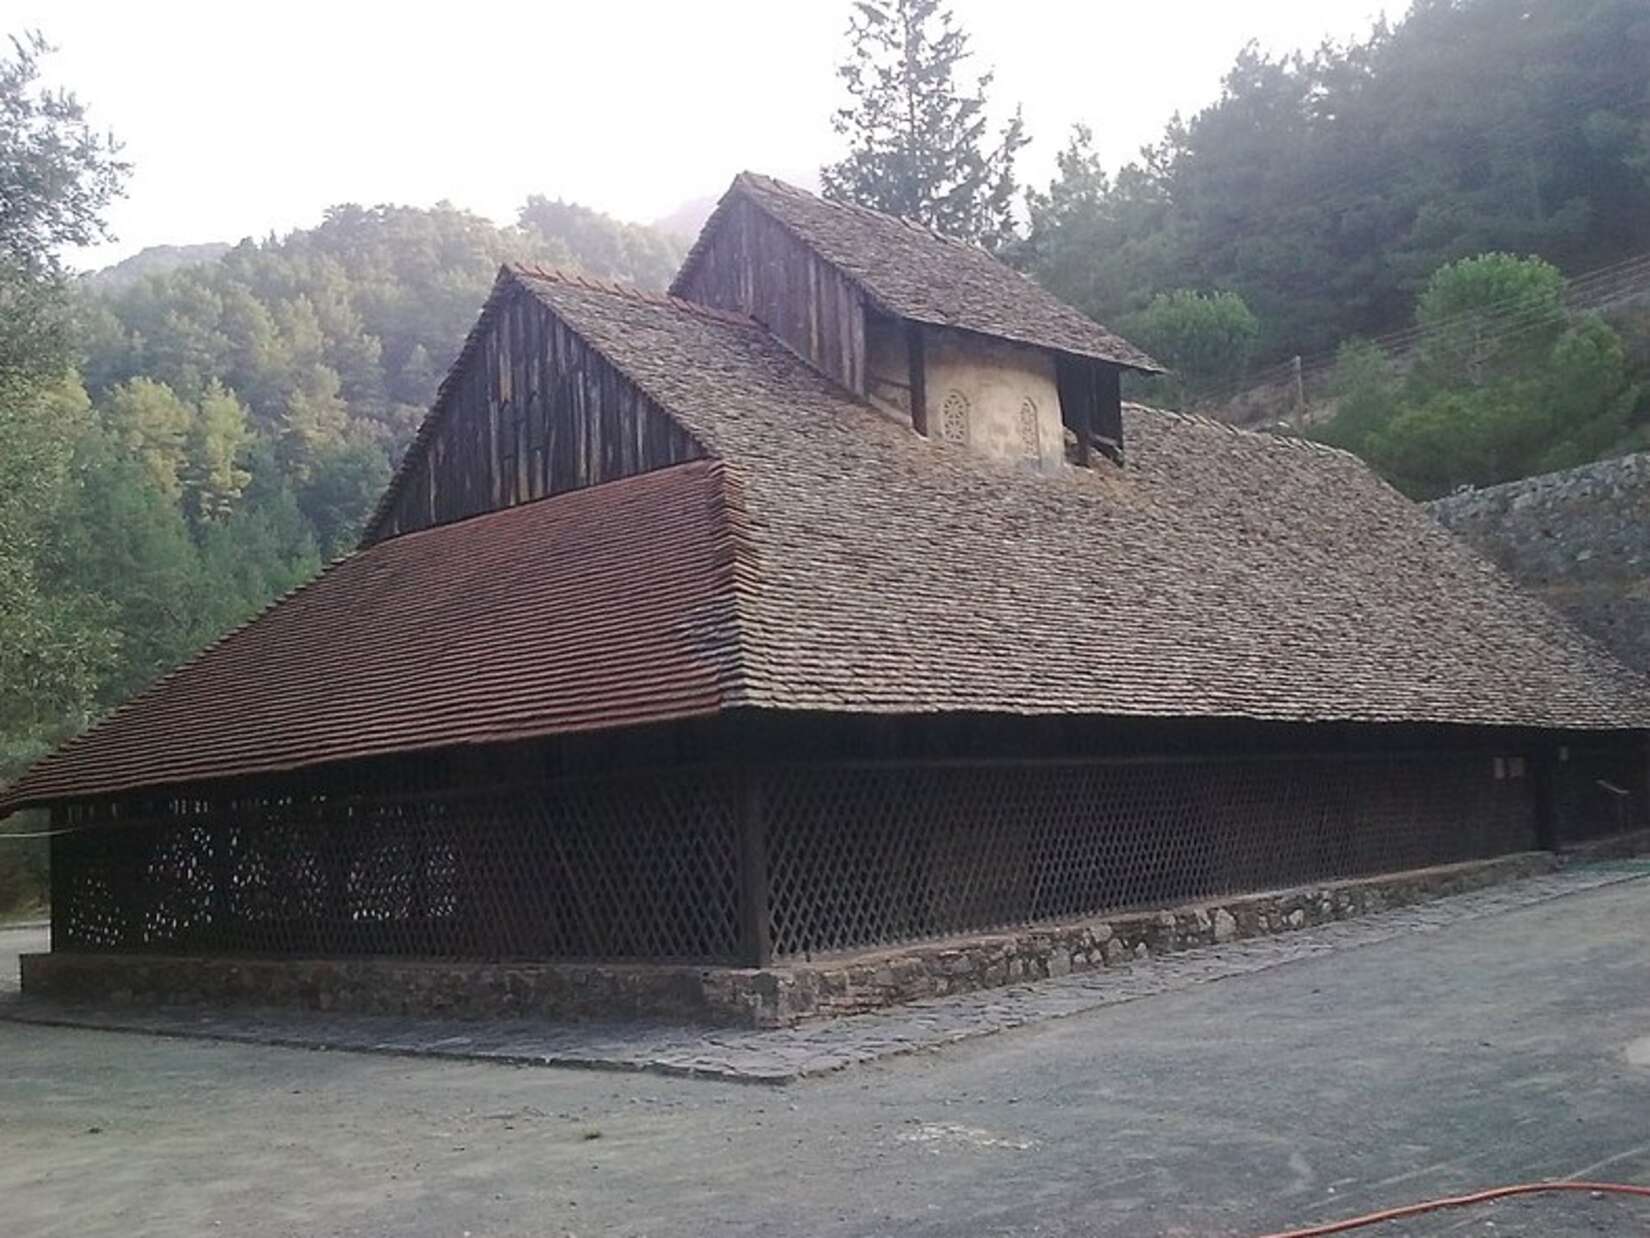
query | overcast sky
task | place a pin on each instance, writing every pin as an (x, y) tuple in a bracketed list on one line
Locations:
[(243, 119)]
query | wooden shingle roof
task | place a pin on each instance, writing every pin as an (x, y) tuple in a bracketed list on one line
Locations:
[(912, 272), (1222, 572)]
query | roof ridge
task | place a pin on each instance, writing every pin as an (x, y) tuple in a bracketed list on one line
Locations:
[(761, 181), (739, 560), (1282, 437), (590, 283)]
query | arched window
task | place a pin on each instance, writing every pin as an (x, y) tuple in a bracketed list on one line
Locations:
[(1031, 442), (954, 418)]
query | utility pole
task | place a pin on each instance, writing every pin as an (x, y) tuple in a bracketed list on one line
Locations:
[(1300, 392)]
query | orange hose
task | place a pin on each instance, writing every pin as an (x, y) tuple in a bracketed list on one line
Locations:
[(1457, 1201)]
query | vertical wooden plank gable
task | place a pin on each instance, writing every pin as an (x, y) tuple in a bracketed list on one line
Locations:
[(753, 265), (536, 412)]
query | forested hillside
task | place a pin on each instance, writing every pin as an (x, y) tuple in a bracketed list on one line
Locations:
[(332, 339), (1325, 187)]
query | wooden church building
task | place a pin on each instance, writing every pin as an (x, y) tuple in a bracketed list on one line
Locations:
[(832, 602)]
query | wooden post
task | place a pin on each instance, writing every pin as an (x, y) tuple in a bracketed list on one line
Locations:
[(1642, 783), (1541, 788), (1074, 379), (1082, 421), (755, 935), (919, 377), (1299, 382), (1107, 424), (220, 827), (60, 848)]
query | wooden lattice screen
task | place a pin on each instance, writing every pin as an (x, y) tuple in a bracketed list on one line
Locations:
[(896, 854), (713, 864), (641, 867)]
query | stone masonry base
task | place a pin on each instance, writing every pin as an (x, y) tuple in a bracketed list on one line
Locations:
[(774, 996)]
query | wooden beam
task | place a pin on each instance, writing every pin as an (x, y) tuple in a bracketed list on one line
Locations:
[(1074, 379), (1107, 426), (918, 365)]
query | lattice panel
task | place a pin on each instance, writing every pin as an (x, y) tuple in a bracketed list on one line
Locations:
[(648, 866), (644, 867), (866, 856)]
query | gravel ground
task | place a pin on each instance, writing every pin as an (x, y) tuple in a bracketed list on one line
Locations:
[(1513, 1046)]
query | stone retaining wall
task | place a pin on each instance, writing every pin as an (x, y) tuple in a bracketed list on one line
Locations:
[(768, 997), (1580, 539)]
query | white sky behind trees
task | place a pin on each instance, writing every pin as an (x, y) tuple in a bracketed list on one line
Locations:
[(242, 120)]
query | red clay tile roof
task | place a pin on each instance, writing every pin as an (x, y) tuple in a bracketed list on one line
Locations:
[(602, 607), (912, 272), (832, 559)]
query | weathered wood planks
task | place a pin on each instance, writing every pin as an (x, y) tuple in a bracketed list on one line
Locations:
[(754, 266), (534, 412)]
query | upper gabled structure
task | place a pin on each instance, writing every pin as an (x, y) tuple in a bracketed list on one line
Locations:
[(935, 330), (901, 268)]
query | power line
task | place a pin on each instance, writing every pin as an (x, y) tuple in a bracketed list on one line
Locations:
[(1618, 281)]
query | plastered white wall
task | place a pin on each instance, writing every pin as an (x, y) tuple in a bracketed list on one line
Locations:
[(1006, 394)]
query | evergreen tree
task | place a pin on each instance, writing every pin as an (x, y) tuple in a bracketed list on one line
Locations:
[(218, 437), (56, 177), (1325, 187), (1204, 338), (919, 142), (56, 645), (1503, 385), (151, 425)]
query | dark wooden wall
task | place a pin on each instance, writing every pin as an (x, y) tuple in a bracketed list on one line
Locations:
[(753, 266), (1091, 405), (533, 411)]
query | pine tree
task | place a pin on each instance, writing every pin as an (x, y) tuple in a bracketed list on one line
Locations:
[(919, 142), (218, 436)]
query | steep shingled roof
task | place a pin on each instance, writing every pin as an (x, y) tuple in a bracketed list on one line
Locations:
[(912, 272), (1221, 572), (832, 559)]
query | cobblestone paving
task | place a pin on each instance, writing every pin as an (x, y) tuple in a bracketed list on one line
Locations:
[(786, 1055)]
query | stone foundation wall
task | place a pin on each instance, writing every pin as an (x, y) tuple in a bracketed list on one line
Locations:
[(767, 997), (867, 981)]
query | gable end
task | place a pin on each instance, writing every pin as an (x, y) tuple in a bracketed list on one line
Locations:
[(750, 263), (529, 409)]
